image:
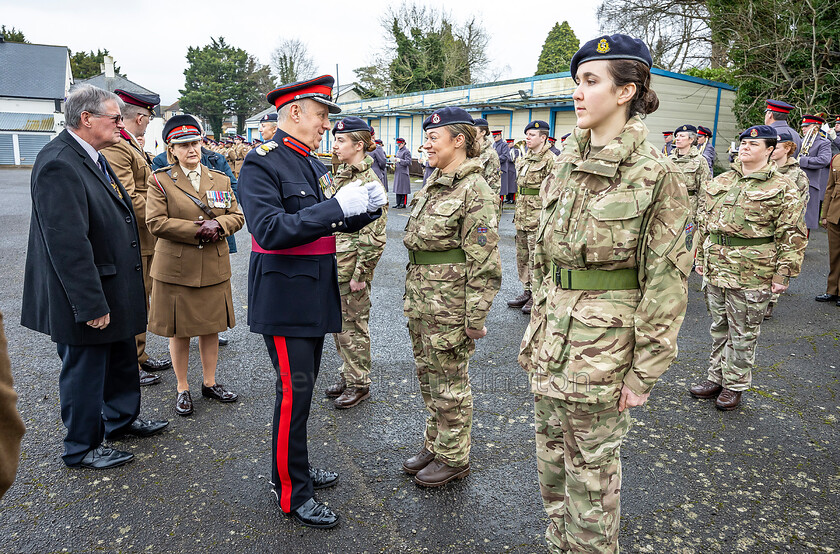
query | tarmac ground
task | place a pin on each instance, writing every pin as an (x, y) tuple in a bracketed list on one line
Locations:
[(763, 478)]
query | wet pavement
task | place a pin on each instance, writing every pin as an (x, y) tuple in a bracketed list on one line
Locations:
[(763, 478)]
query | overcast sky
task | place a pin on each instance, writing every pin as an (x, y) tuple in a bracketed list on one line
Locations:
[(149, 39)]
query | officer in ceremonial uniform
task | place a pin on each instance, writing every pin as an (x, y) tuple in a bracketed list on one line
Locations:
[(814, 159), (380, 162), (704, 145), (694, 169), (292, 210), (551, 146), (505, 162), (751, 239), (402, 181), (535, 166), (129, 162), (830, 219), (668, 136), (268, 126), (489, 160), (515, 156), (776, 115)]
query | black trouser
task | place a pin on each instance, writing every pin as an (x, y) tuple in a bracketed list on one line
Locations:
[(296, 361), (99, 390), (401, 199)]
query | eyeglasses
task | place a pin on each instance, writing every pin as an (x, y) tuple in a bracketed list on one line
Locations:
[(151, 116), (115, 118)]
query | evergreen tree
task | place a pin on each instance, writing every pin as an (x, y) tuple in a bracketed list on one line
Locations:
[(12, 35), (85, 65), (557, 51)]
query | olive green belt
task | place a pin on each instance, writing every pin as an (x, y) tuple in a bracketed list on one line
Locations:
[(595, 279), (726, 240), (528, 191), (424, 257)]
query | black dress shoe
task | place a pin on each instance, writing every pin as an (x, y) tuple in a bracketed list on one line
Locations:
[(140, 428), (104, 458), (827, 298), (147, 378), (315, 514), (223, 341), (321, 478), (184, 404), (157, 364), (218, 392)]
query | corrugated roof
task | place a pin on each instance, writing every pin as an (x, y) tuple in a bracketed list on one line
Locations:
[(113, 83), (33, 70), (27, 121)]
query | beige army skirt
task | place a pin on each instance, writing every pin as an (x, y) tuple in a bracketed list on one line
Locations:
[(179, 311)]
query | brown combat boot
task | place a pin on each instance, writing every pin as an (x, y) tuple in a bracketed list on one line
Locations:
[(728, 400), (769, 312), (351, 397), (418, 461), (526, 309), (520, 300), (438, 473), (337, 388), (705, 390)]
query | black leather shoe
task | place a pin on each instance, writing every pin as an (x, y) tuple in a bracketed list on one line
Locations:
[(147, 378), (827, 298), (184, 403), (321, 478), (104, 458), (218, 392), (223, 341), (157, 364), (315, 514), (140, 428)]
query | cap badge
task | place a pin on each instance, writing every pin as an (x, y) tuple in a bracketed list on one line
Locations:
[(340, 125), (685, 128), (436, 118), (754, 133), (536, 125), (603, 46)]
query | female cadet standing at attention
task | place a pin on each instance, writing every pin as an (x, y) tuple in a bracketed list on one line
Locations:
[(610, 292), (454, 273), (402, 181), (190, 209), (357, 255)]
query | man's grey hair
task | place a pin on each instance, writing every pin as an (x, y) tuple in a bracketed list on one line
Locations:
[(283, 113), (86, 98), (130, 111)]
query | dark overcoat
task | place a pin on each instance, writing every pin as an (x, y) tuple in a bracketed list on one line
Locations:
[(402, 182)]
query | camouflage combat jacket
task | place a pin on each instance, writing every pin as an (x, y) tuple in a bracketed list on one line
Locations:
[(763, 204), (695, 171), (531, 171), (792, 171), (623, 207), (358, 253), (453, 210), (492, 168)]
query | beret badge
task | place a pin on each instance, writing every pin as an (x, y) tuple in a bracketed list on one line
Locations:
[(753, 133), (603, 46), (436, 119), (340, 125), (536, 125)]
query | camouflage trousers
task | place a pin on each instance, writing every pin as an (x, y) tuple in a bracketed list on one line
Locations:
[(525, 246), (353, 342), (442, 357), (736, 324), (579, 467)]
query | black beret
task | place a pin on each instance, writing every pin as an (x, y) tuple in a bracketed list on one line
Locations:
[(785, 136), (350, 125), (148, 101), (537, 124), (685, 128), (318, 89), (759, 132), (481, 122), (269, 118), (447, 116), (705, 131), (611, 47), (181, 128)]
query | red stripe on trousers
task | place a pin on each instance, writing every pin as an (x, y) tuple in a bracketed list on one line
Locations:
[(283, 426)]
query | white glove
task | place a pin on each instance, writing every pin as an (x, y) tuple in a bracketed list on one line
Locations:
[(353, 199), (831, 133), (376, 196)]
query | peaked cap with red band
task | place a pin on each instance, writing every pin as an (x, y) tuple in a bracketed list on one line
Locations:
[(667, 133), (779, 106), (181, 128), (318, 89), (812, 120), (495, 133), (148, 101), (704, 131)]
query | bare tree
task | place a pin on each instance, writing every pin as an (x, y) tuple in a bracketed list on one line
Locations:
[(291, 61)]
